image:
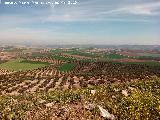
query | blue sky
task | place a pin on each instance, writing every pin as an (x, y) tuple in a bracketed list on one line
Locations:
[(87, 22)]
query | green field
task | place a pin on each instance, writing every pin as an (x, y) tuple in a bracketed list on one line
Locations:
[(73, 52), (149, 55), (63, 58), (56, 51), (67, 67), (20, 64), (76, 52), (114, 56)]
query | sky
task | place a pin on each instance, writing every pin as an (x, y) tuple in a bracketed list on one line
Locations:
[(110, 22)]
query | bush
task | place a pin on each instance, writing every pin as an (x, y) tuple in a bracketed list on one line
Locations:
[(140, 105)]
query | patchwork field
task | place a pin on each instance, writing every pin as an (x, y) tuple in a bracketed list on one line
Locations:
[(114, 56), (21, 64), (149, 54), (73, 52), (74, 85), (67, 67)]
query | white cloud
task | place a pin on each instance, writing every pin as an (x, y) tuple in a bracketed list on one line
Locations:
[(143, 9), (42, 25), (96, 10)]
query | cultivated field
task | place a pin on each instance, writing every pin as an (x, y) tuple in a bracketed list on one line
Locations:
[(21, 64), (137, 100), (51, 85)]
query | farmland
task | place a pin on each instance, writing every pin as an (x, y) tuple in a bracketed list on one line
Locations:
[(81, 103), (66, 67), (149, 55), (73, 83), (79, 59), (19, 64), (114, 56), (73, 52)]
